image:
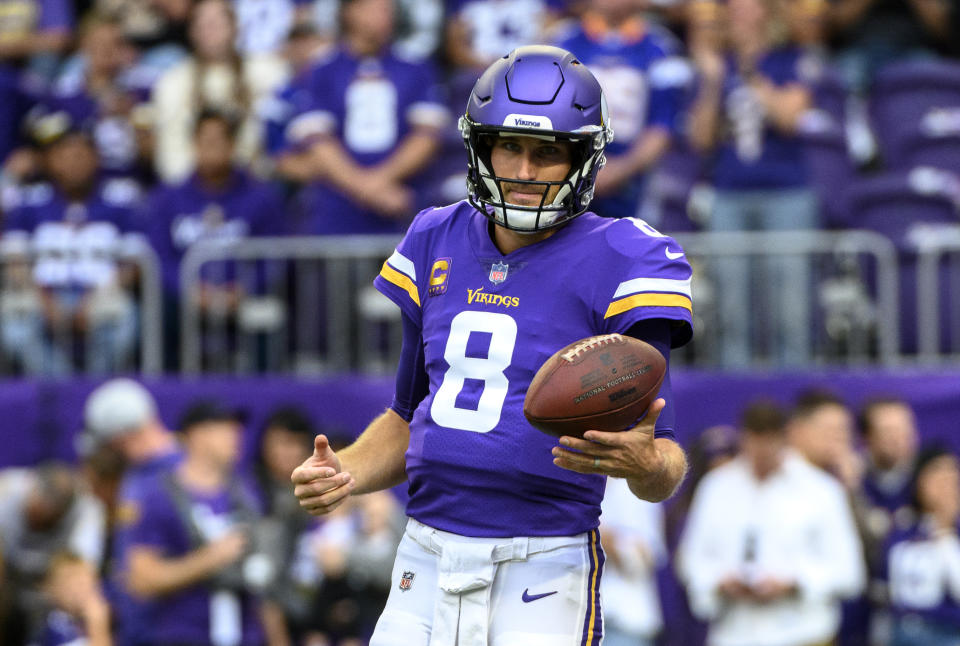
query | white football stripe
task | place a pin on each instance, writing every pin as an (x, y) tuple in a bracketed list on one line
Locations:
[(653, 285), (402, 264)]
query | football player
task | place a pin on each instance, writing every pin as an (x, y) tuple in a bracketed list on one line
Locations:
[(501, 543)]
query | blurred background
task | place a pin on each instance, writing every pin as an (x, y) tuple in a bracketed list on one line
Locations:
[(197, 194)]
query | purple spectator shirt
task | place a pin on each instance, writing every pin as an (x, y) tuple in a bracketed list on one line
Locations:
[(753, 154), (183, 616), (475, 465), (370, 105), (177, 217)]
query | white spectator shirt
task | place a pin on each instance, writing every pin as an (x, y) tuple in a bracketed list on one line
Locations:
[(796, 525), (629, 589)]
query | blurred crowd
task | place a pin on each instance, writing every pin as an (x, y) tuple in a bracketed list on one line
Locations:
[(189, 120), (803, 525)]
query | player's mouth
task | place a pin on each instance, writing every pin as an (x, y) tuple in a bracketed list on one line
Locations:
[(525, 196)]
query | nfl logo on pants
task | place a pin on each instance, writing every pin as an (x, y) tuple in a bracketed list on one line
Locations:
[(406, 580), (498, 272)]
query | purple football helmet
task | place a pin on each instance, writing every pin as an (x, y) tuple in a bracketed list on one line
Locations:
[(547, 93)]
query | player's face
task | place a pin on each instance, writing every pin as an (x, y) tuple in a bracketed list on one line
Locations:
[(531, 159)]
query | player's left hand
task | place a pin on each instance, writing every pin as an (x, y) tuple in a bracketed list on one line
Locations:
[(622, 454)]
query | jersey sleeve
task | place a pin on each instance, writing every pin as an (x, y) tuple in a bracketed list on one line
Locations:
[(401, 274), (650, 279)]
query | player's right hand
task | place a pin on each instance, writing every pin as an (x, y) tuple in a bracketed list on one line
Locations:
[(319, 483)]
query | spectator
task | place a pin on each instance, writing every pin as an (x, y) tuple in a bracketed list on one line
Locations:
[(890, 435), (374, 122), (154, 26), (121, 415), (192, 555), (101, 89), (43, 511), (79, 613), (287, 441), (644, 80), (29, 29), (821, 430), (218, 202), (770, 546), (746, 112), (215, 76), (632, 535), (924, 558), (75, 224)]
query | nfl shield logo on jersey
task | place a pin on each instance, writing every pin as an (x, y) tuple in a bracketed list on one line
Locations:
[(406, 580), (498, 272)]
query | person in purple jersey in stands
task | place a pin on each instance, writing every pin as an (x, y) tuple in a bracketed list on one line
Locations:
[(371, 125), (121, 415), (644, 79), (501, 544), (218, 202), (75, 223), (923, 558)]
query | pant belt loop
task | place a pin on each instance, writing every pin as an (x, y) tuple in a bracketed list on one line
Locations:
[(520, 551)]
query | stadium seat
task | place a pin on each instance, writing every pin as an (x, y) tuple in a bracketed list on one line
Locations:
[(906, 206), (934, 142), (903, 93), (830, 170)]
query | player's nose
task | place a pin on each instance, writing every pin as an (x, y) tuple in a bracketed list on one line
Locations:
[(527, 167)]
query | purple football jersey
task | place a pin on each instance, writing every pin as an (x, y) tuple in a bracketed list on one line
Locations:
[(475, 465), (923, 574)]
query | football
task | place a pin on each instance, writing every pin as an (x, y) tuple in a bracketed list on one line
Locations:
[(602, 382)]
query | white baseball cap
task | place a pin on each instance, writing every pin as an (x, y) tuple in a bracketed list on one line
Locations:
[(115, 408)]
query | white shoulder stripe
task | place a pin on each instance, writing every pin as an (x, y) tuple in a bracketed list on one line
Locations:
[(402, 264), (653, 285)]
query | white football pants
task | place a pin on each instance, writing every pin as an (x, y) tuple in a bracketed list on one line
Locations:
[(452, 590)]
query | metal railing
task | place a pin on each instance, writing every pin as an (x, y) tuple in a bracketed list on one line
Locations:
[(938, 257), (22, 294), (306, 305)]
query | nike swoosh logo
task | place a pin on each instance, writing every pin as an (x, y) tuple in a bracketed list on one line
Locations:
[(673, 255), (527, 598)]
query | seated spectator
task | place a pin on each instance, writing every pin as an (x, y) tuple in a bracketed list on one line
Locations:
[(644, 80), (923, 560), (75, 224), (770, 546), (192, 554), (79, 613), (220, 202), (745, 114), (373, 124), (263, 25), (100, 88), (43, 511), (215, 76)]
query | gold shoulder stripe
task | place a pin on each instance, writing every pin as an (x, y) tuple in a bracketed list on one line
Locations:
[(402, 281), (647, 300)]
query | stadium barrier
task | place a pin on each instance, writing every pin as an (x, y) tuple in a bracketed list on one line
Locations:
[(46, 289), (938, 294), (306, 305)]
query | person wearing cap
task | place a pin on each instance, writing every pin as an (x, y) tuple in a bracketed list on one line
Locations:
[(75, 223), (193, 555), (923, 557), (121, 416)]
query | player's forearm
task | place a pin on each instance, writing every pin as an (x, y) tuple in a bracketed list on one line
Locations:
[(655, 487), (411, 156), (377, 460)]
